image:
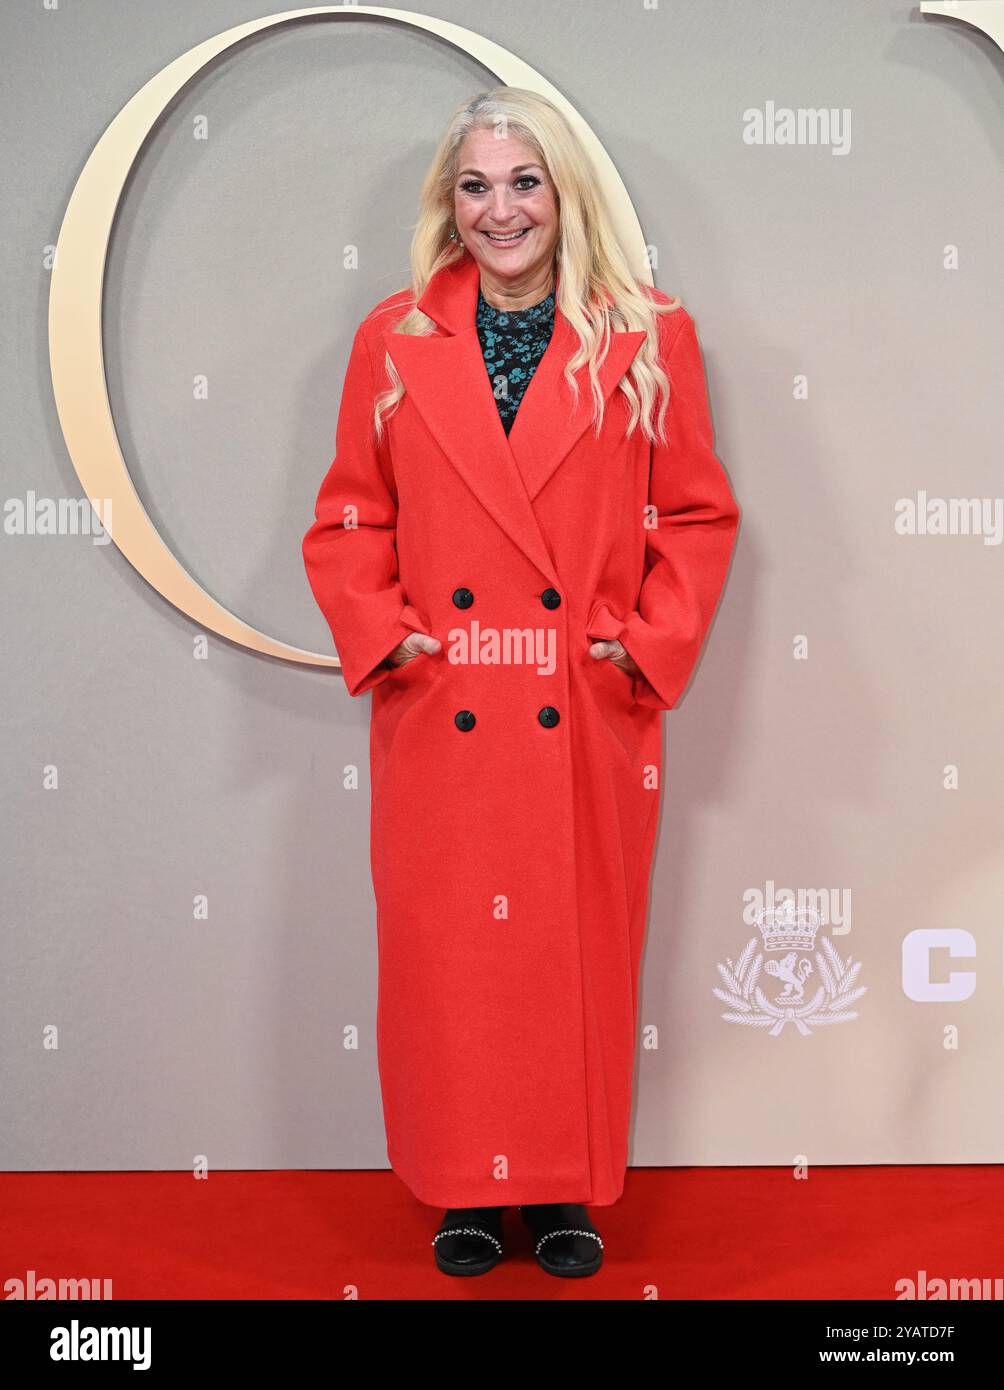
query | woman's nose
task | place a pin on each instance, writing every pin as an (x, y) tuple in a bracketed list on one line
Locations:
[(502, 209)]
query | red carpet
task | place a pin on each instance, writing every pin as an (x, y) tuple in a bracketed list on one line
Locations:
[(738, 1233)]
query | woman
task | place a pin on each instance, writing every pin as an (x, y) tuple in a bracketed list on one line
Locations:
[(519, 547)]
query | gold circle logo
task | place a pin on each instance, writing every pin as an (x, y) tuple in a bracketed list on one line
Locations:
[(76, 352)]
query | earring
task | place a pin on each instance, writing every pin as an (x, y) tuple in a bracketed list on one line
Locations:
[(455, 236)]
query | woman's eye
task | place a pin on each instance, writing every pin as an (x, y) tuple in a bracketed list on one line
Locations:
[(525, 182)]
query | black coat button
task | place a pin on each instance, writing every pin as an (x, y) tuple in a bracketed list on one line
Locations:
[(463, 598), (464, 719), (550, 598), (548, 716)]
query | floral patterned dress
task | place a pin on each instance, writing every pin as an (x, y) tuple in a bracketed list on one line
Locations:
[(513, 342)]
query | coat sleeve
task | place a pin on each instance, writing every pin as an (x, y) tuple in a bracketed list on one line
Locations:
[(349, 552), (689, 547)]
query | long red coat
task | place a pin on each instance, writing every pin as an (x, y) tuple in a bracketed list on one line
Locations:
[(511, 851)]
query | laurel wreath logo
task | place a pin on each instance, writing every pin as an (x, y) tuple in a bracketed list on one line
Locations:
[(752, 1008)]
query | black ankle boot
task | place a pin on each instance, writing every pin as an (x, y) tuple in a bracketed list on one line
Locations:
[(469, 1241), (565, 1241)]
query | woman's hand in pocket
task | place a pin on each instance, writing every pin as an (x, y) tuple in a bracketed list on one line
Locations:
[(413, 645), (617, 654)]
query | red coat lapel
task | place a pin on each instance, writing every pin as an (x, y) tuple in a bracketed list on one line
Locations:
[(445, 376)]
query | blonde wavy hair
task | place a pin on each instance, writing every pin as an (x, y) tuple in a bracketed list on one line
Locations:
[(597, 292)]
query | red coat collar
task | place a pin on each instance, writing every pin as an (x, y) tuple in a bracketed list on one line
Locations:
[(444, 374), (451, 296)]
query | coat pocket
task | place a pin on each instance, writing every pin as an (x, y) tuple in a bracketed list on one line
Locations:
[(415, 619), (603, 625), (404, 667)]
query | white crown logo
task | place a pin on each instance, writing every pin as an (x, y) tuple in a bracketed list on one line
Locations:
[(788, 928)]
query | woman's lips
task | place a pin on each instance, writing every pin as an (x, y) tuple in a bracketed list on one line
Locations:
[(506, 240)]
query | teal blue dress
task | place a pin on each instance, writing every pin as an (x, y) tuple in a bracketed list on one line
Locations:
[(512, 343)]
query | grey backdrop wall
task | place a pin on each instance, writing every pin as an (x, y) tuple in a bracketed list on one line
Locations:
[(187, 904)]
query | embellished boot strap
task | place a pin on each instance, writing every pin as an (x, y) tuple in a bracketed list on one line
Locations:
[(566, 1231), (470, 1223)]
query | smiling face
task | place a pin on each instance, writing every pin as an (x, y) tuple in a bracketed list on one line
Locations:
[(503, 188)]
